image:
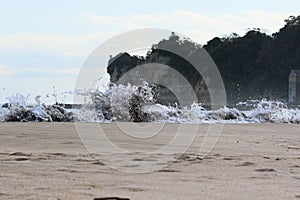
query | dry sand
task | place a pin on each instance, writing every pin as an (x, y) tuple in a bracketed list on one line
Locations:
[(48, 161)]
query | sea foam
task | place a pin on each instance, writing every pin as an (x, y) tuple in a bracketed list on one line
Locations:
[(138, 104)]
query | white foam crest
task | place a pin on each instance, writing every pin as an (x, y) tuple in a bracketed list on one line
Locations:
[(3, 114), (120, 102), (137, 103), (18, 109), (17, 100)]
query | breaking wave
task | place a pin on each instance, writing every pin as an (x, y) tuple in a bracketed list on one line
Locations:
[(138, 104)]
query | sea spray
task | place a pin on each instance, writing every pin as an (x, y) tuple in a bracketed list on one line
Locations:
[(138, 104), (18, 110), (118, 103)]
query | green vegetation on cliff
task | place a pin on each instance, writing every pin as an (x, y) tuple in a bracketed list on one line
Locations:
[(252, 66)]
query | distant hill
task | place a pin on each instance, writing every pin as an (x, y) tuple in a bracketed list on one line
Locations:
[(252, 66)]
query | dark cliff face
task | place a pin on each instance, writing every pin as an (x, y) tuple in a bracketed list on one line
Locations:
[(122, 63), (252, 66)]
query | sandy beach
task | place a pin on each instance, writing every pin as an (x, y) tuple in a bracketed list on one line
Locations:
[(249, 161)]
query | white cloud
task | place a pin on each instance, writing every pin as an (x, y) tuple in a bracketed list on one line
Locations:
[(206, 27), (6, 70), (72, 71), (193, 18), (53, 44), (132, 21), (197, 35), (67, 71), (199, 27), (261, 19)]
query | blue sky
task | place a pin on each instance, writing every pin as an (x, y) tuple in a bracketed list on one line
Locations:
[(43, 44)]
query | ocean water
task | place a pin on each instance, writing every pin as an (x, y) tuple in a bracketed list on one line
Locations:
[(137, 103)]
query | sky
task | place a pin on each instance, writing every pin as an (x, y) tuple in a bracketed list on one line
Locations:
[(43, 44)]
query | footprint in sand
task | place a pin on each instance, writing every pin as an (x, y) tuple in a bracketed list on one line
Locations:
[(111, 198), (265, 170), (246, 164), (21, 159), (168, 170), (131, 189), (19, 154)]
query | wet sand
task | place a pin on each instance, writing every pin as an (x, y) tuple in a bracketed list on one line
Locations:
[(48, 161)]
